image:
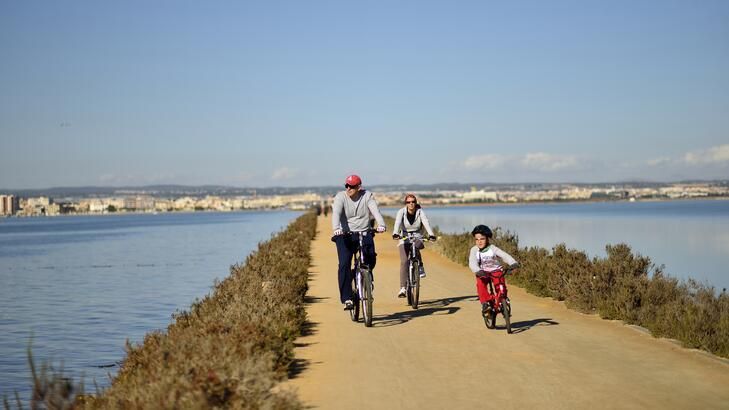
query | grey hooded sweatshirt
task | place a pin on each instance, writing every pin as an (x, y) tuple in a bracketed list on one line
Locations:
[(354, 215)]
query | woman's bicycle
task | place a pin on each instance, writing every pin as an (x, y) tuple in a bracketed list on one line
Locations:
[(412, 287), (362, 284), (500, 303)]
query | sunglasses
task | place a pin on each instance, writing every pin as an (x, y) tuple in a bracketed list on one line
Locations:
[(350, 186), (410, 202)]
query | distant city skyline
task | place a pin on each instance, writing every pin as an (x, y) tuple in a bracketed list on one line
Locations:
[(289, 94)]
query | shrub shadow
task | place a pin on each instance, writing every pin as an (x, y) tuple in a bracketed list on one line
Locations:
[(525, 325)]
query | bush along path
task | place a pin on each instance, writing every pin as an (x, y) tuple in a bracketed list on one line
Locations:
[(622, 286), (231, 347)]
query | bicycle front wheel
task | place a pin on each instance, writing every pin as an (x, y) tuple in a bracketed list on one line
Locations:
[(415, 283), (354, 312), (367, 297)]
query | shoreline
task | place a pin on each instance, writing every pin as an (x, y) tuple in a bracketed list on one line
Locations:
[(570, 201)]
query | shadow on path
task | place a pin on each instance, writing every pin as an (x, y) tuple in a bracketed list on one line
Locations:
[(523, 326), (399, 318), (297, 365), (446, 301)]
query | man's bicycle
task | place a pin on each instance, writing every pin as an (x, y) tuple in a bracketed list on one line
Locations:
[(412, 287), (362, 284), (500, 303)]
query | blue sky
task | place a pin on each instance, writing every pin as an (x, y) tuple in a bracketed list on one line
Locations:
[(297, 93)]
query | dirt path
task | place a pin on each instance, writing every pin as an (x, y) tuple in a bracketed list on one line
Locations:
[(441, 356)]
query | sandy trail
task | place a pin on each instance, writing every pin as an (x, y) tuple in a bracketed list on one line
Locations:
[(442, 356)]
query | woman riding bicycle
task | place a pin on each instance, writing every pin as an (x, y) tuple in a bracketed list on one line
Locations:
[(483, 262), (410, 219), (351, 213)]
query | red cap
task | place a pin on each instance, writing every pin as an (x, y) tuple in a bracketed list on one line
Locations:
[(353, 180)]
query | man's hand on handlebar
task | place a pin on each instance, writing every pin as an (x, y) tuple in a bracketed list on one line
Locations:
[(381, 229), (432, 238), (396, 236), (338, 232)]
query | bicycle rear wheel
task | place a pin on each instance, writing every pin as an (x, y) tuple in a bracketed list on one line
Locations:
[(415, 283), (506, 311), (367, 298)]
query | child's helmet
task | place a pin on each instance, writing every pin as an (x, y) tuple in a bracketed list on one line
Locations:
[(483, 230)]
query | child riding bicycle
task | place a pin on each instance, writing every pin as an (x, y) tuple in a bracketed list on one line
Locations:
[(484, 262)]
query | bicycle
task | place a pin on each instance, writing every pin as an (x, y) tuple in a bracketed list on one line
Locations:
[(412, 286), (362, 284), (500, 303)]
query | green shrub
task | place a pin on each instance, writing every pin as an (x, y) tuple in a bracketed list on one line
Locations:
[(623, 286)]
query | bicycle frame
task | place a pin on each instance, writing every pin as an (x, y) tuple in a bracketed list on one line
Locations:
[(362, 283), (500, 302), (414, 261)]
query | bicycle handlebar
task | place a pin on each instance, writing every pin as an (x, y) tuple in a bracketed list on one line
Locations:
[(410, 237), (370, 231)]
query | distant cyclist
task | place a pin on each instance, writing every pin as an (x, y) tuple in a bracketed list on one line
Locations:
[(351, 213), (410, 219), (483, 261)]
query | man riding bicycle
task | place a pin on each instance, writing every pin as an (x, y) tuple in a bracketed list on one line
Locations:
[(352, 211)]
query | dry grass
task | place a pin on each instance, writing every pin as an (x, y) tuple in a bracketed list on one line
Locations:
[(623, 285), (227, 351)]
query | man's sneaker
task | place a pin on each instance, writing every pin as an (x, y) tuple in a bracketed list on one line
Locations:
[(348, 305), (402, 293), (422, 271)]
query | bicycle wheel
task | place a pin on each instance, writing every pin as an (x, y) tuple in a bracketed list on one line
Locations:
[(354, 312), (490, 319), (506, 311), (408, 288), (415, 283), (367, 298)]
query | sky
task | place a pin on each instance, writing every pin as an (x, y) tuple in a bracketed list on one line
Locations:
[(303, 93)]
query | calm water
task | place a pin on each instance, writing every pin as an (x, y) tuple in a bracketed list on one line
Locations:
[(83, 285), (691, 238)]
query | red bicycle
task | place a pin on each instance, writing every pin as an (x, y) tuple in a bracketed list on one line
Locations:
[(500, 302)]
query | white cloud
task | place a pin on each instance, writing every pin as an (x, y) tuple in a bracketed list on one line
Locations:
[(283, 173), (655, 162), (533, 161), (714, 155), (541, 161), (487, 161)]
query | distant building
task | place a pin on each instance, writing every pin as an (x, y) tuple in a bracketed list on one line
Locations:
[(139, 203), (8, 204)]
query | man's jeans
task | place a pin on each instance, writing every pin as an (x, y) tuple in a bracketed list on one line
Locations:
[(346, 247)]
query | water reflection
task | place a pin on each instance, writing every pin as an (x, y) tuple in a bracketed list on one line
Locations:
[(83, 285), (691, 238)]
